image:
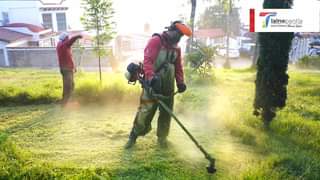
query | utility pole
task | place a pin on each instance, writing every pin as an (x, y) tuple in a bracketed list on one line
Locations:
[(192, 16), (227, 62)]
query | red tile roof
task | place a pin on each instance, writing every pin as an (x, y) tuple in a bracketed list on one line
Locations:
[(31, 27), (209, 33), (11, 36)]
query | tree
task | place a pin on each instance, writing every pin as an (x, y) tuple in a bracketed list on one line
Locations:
[(226, 10), (201, 59), (97, 16), (215, 17), (272, 78)]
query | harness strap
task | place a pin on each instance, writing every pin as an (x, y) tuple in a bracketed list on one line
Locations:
[(167, 61)]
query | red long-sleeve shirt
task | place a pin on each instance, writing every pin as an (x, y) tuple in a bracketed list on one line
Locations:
[(151, 53), (64, 52)]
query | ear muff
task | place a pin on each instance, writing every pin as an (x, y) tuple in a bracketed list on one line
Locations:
[(173, 27)]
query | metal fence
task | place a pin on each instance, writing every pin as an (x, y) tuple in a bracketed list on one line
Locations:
[(47, 57)]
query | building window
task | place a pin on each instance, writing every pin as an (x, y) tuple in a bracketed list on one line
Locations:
[(5, 18), (61, 21), (47, 21)]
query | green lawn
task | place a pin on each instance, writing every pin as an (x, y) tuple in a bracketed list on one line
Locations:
[(41, 140)]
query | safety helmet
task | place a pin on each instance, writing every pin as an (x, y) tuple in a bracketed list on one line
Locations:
[(182, 28)]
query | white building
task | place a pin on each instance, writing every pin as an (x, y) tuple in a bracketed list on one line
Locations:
[(50, 14)]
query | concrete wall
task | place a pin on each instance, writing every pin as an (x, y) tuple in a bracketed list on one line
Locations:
[(47, 58)]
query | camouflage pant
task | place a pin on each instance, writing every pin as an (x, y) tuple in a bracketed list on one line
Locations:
[(145, 114)]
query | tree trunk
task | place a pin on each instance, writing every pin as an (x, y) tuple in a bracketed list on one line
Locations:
[(272, 78), (192, 17), (98, 49)]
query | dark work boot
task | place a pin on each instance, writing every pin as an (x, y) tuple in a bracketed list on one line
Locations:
[(163, 142), (132, 140)]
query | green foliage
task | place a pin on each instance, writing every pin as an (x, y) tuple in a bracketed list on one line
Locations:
[(193, 77), (271, 4), (272, 78), (309, 62), (16, 95), (98, 16), (201, 60), (216, 17)]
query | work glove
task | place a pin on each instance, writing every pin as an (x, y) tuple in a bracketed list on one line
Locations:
[(181, 87)]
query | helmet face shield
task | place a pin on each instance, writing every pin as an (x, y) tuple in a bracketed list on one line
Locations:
[(174, 36)]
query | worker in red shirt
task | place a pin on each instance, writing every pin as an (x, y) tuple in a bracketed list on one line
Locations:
[(162, 66), (66, 64)]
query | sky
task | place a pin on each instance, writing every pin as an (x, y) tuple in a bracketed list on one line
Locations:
[(132, 15)]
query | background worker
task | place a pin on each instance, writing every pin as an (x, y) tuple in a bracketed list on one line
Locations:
[(162, 66), (66, 64)]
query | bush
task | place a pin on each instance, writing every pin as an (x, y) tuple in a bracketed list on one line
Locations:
[(201, 60), (115, 90), (27, 87), (309, 62), (35, 94), (195, 78)]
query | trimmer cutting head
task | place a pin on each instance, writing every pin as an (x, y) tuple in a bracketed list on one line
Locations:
[(211, 168)]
